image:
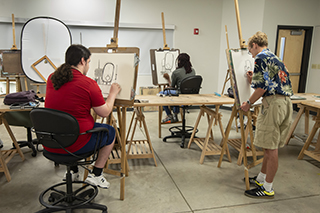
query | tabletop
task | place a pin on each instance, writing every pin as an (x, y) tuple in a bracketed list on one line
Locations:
[(182, 99), (312, 103), (6, 108), (306, 97)]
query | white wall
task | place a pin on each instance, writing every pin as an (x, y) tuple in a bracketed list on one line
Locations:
[(288, 12), (312, 85), (249, 26), (298, 13), (184, 14), (207, 50)]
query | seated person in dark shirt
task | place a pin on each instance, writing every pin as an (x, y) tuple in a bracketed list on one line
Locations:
[(184, 69)]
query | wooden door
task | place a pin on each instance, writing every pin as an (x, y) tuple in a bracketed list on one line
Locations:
[(290, 49)]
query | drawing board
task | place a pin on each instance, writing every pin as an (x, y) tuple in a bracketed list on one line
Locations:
[(43, 38), (10, 62), (108, 68), (162, 61), (240, 63)]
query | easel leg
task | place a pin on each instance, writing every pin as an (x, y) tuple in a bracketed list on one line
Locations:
[(243, 144), (159, 120), (124, 162), (246, 176)]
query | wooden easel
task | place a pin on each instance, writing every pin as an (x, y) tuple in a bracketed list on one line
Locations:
[(121, 105), (315, 154), (228, 75), (14, 49), (240, 145), (163, 86), (7, 155)]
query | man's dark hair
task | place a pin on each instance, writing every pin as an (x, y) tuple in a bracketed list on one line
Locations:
[(73, 56)]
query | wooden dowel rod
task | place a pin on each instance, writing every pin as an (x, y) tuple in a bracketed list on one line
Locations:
[(164, 32), (225, 26), (14, 47), (241, 41), (116, 20)]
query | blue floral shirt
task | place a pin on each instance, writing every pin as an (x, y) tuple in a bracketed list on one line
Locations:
[(271, 74)]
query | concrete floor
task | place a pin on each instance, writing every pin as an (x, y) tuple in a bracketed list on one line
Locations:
[(179, 184)]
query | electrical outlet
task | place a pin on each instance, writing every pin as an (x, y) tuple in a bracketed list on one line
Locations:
[(314, 66)]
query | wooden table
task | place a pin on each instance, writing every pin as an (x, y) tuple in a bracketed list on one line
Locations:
[(315, 154), (206, 144), (182, 99), (7, 155), (303, 109)]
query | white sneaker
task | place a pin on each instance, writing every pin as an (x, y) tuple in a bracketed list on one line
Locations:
[(74, 176), (98, 181)]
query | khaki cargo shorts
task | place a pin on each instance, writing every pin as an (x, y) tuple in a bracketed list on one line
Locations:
[(273, 122)]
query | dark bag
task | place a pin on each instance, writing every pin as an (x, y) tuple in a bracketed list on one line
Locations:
[(20, 97)]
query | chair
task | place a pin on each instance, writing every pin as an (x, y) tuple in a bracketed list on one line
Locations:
[(189, 85), (22, 118), (57, 129)]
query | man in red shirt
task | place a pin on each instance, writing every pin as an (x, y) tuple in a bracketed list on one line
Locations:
[(71, 91)]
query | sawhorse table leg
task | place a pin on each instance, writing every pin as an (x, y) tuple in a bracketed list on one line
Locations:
[(207, 144), (13, 138), (295, 123), (140, 148), (315, 154)]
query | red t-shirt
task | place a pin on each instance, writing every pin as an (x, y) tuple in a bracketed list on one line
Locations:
[(76, 97)]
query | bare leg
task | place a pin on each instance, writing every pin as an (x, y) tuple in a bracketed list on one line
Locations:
[(271, 164), (103, 155), (264, 163)]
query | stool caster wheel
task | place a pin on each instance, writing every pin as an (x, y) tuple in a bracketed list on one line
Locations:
[(51, 199), (182, 145)]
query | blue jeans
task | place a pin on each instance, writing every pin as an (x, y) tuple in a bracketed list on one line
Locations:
[(176, 109), (107, 139)]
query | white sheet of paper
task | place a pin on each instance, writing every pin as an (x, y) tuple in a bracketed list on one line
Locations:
[(108, 68), (165, 63), (242, 63)]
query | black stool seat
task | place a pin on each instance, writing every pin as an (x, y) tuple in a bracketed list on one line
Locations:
[(189, 85), (65, 159)]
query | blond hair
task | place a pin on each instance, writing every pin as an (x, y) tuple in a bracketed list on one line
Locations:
[(260, 38)]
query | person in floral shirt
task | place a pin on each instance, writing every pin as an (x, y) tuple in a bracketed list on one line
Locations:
[(270, 79)]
